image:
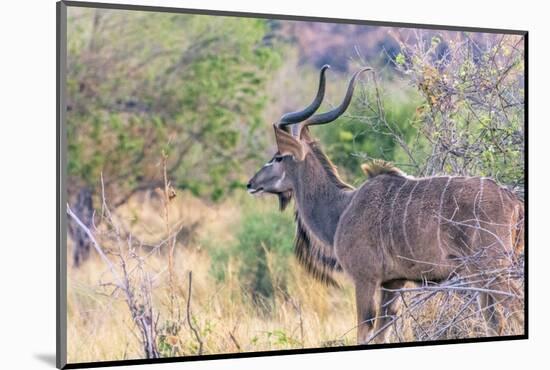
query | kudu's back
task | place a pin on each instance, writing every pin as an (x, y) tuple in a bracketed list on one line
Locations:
[(429, 228)]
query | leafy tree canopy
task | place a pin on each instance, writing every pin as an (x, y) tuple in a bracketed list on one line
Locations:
[(141, 84)]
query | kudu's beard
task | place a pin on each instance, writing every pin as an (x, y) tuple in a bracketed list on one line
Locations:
[(284, 199)]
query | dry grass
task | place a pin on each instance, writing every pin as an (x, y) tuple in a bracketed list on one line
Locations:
[(308, 314)]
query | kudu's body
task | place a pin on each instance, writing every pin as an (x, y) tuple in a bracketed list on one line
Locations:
[(392, 229)]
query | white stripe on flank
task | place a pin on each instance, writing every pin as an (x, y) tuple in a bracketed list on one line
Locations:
[(426, 188), (481, 190), (405, 219), (481, 183), (501, 198), (481, 210), (393, 210), (441, 215), (476, 209), (380, 215)]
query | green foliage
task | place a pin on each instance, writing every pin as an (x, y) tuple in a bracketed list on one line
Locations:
[(470, 119), (141, 83), (458, 109), (353, 138), (275, 339), (400, 59), (264, 245), (279, 338)]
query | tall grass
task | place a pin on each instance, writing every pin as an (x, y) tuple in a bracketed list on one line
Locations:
[(249, 293), (225, 310)]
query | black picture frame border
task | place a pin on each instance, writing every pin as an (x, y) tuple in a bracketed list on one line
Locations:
[(61, 193), (61, 186)]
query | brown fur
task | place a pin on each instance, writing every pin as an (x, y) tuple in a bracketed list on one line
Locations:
[(393, 229), (328, 167), (287, 144), (319, 265), (403, 229)]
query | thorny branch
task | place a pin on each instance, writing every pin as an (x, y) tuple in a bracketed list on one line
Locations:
[(137, 293)]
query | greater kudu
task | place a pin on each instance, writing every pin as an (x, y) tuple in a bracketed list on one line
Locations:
[(394, 228)]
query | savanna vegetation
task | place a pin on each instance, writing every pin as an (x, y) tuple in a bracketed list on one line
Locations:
[(168, 115)]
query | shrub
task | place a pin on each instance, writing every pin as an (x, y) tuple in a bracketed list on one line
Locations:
[(262, 250)]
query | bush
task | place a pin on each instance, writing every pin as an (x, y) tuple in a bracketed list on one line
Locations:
[(264, 245), (472, 114)]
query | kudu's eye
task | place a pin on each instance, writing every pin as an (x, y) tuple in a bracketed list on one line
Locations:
[(279, 159)]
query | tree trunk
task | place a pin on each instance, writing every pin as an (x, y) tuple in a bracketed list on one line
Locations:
[(84, 210)]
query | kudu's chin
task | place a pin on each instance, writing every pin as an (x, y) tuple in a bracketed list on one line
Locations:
[(257, 191)]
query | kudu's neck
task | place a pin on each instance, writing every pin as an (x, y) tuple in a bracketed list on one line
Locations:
[(320, 197)]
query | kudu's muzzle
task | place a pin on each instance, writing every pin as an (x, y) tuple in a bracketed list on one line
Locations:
[(252, 186)]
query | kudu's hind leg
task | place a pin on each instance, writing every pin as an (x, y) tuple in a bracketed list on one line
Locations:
[(514, 311), (390, 303), (368, 300), (512, 306), (492, 317)]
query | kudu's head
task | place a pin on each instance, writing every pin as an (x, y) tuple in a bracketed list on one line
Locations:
[(279, 175)]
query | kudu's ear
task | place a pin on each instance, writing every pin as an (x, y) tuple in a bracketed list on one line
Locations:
[(288, 144), (305, 135)]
